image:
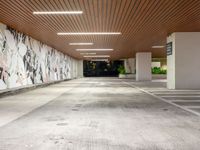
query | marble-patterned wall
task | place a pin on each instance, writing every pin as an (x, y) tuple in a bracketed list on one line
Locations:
[(25, 61)]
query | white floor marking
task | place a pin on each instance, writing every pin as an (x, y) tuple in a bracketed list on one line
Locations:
[(178, 96), (162, 99), (164, 90), (191, 107), (184, 101)]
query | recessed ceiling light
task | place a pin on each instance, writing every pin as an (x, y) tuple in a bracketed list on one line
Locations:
[(89, 33), (94, 49), (158, 46), (88, 53), (56, 12), (97, 56), (81, 43)]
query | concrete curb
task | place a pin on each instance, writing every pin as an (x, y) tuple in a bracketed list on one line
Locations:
[(26, 88)]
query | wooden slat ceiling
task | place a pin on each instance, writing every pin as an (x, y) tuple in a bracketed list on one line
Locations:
[(143, 23)]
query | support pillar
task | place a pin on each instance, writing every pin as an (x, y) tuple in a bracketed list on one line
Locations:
[(183, 60), (143, 66), (129, 65), (80, 68)]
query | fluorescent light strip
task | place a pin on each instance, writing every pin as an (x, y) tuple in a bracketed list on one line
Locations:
[(97, 56), (81, 43), (158, 46), (99, 59), (88, 53), (94, 49), (89, 33), (56, 12)]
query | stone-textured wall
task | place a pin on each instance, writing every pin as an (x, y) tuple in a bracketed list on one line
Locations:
[(25, 61)]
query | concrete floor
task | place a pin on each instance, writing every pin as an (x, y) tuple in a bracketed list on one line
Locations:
[(96, 114)]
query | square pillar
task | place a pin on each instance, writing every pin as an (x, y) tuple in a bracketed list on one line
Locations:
[(143, 66), (183, 60), (80, 68)]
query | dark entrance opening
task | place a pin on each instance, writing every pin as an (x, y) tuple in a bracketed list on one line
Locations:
[(101, 68)]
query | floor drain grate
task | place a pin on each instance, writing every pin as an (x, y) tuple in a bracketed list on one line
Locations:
[(75, 109), (62, 124)]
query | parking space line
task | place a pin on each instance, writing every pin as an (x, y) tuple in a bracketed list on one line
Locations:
[(191, 107), (179, 96), (185, 101), (162, 99)]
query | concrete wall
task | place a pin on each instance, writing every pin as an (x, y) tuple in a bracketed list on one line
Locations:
[(155, 64), (129, 65), (163, 62), (184, 63), (26, 61)]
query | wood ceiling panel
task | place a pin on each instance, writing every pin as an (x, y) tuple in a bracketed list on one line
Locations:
[(143, 23)]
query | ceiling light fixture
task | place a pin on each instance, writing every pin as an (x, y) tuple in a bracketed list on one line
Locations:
[(81, 43), (89, 33), (97, 56), (88, 53), (56, 12), (99, 59), (158, 46), (94, 49)]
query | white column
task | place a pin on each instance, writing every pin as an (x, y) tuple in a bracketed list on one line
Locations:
[(80, 68), (143, 66), (129, 65), (183, 64)]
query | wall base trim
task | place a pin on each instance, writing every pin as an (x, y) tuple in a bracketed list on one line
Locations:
[(21, 89)]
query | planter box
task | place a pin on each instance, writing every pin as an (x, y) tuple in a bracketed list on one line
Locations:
[(126, 76), (132, 76), (159, 76)]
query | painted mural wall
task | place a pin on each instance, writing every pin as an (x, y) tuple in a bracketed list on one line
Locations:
[(26, 61)]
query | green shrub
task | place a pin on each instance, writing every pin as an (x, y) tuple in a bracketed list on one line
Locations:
[(121, 70), (158, 70)]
